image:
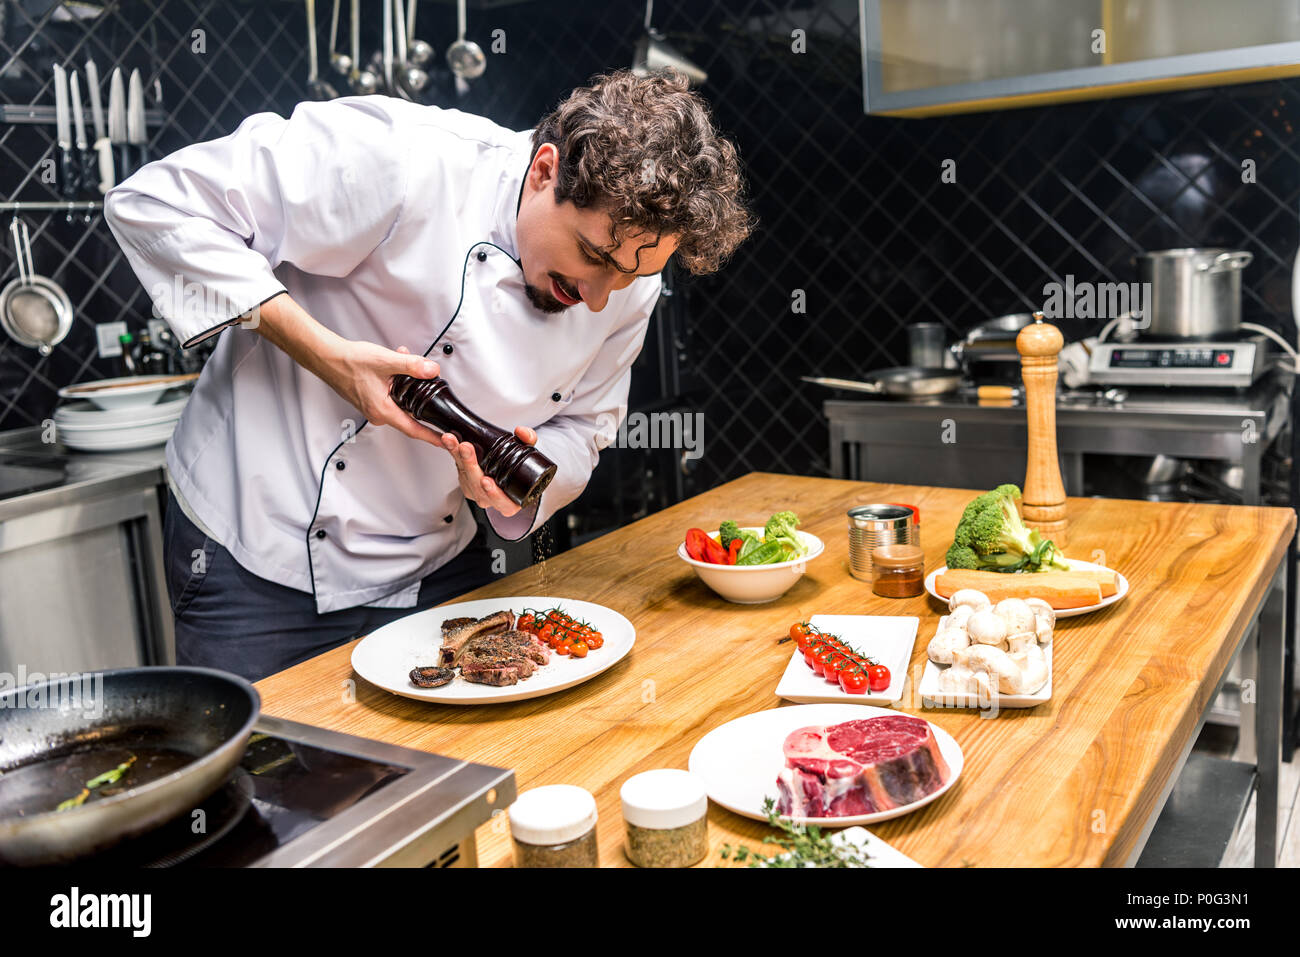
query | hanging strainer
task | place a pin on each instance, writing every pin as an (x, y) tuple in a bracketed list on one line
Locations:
[(34, 310)]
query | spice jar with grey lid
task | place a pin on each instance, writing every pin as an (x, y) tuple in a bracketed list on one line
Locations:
[(665, 813), (554, 826), (871, 526)]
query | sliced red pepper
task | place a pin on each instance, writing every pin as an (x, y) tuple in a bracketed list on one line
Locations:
[(733, 551), (703, 548)]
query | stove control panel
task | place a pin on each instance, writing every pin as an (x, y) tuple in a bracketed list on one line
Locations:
[(1225, 364), (1173, 358)]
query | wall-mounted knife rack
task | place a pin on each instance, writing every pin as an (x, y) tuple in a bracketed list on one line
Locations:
[(44, 115)]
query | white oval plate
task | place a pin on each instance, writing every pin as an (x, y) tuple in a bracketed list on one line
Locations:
[(1120, 591), (739, 761), (386, 656)]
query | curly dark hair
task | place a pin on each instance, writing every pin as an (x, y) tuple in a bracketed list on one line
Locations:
[(645, 148)]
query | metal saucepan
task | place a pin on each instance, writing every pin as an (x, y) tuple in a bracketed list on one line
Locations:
[(897, 382), (34, 310), (186, 729), (1195, 293)]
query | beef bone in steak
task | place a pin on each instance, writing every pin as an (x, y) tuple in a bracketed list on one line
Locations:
[(859, 767), (461, 630)]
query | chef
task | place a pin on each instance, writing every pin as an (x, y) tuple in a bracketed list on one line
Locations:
[(366, 237)]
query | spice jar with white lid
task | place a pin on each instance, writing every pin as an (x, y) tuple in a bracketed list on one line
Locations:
[(666, 816), (554, 826)]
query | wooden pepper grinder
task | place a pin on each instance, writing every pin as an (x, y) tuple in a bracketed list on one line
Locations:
[(1043, 497)]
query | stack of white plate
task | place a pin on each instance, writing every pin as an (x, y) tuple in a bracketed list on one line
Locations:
[(84, 427)]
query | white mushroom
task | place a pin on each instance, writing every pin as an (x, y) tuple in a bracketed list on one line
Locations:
[(1030, 676), (996, 662), (1017, 613), (969, 596), (1022, 642), (945, 642), (986, 628), (984, 685), (1030, 652), (958, 617), (956, 680), (1043, 630), (1042, 609)]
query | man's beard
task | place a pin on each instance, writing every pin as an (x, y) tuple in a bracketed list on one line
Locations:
[(543, 301)]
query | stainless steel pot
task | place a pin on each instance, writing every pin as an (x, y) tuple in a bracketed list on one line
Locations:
[(988, 354), (1195, 293)]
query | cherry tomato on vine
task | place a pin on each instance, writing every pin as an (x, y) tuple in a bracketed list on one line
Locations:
[(854, 681), (878, 677)]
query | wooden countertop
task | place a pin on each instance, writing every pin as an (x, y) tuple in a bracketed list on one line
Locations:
[(1069, 783)]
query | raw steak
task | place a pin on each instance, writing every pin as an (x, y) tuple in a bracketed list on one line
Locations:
[(859, 767)]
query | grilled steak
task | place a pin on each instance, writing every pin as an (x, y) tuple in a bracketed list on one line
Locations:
[(859, 767), (503, 658), (519, 642), (463, 629)]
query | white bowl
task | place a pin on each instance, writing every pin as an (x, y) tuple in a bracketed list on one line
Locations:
[(754, 584), (123, 392)]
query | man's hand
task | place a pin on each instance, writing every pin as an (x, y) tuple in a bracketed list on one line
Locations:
[(477, 486), (360, 372), (363, 378)]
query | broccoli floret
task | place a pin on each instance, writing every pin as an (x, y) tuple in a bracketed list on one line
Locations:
[(728, 531), (996, 526), (781, 528), (782, 523), (991, 529), (962, 556)]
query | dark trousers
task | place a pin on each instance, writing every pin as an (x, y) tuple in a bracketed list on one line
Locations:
[(228, 618)]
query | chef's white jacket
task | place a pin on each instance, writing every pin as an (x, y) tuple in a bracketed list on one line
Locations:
[(388, 222)]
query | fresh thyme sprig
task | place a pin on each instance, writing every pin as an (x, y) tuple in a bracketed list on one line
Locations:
[(801, 846)]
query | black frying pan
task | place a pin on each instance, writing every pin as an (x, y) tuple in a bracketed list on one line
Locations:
[(180, 730)]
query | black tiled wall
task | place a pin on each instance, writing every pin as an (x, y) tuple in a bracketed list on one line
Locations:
[(852, 208)]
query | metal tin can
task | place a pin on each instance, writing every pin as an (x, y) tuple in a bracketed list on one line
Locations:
[(871, 526)]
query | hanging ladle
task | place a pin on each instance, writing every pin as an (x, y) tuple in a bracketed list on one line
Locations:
[(465, 57), (419, 53), (410, 79), (316, 87), (363, 81), (341, 63)]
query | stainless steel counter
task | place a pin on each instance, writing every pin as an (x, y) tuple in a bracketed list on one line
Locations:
[(83, 473), (958, 441), (82, 584)]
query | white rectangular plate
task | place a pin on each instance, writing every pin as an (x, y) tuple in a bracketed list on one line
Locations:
[(887, 638), (932, 697), (881, 853)]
